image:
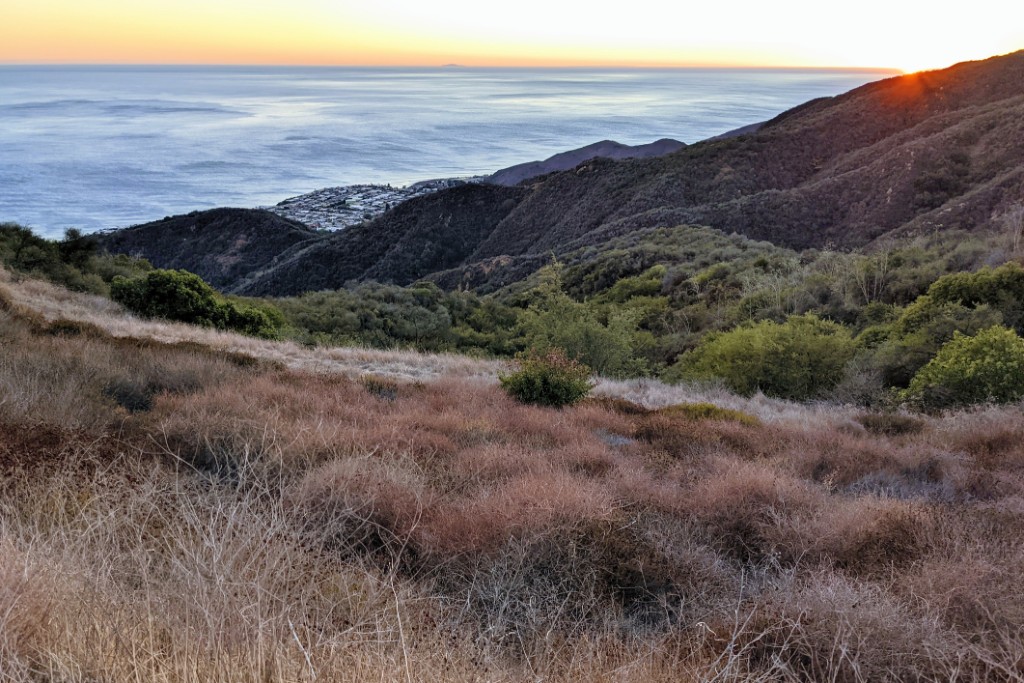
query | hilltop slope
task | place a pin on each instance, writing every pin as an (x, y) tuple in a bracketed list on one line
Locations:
[(564, 161), (179, 506), (418, 237)]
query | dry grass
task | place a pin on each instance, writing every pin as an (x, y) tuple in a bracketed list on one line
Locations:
[(170, 511), (53, 303), (56, 305), (654, 394)]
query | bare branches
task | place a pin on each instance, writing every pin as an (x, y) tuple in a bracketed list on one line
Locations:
[(1012, 224)]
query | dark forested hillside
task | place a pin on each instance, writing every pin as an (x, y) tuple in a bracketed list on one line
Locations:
[(907, 155), (418, 237), (257, 252), (223, 246)]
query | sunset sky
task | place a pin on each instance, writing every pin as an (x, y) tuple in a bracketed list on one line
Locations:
[(872, 33)]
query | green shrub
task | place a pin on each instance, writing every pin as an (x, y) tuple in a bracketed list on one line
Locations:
[(1000, 288), (986, 367), (709, 411), (648, 283), (890, 424), (941, 180), (171, 294), (262, 320), (554, 320), (903, 347), (549, 379), (389, 316), (798, 359), (185, 297)]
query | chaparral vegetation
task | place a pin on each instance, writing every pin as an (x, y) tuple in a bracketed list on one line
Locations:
[(184, 504)]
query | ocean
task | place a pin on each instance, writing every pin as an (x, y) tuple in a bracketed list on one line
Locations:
[(98, 147)]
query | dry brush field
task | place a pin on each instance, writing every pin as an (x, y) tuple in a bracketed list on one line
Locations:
[(181, 505)]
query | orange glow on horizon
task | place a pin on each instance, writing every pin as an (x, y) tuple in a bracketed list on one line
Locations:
[(534, 33)]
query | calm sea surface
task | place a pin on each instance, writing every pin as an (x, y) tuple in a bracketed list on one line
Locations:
[(99, 147)]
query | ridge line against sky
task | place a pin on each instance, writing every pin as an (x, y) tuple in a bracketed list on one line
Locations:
[(908, 36)]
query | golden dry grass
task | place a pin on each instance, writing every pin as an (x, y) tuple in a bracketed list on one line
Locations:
[(54, 303), (171, 511)]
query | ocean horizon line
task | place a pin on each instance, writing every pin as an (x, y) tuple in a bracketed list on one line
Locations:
[(455, 67)]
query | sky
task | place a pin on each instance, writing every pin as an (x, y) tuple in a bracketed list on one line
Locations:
[(868, 33)]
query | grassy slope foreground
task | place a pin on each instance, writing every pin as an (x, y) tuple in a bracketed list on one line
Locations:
[(184, 505)]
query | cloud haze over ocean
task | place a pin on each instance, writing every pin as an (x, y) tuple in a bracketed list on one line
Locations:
[(101, 147)]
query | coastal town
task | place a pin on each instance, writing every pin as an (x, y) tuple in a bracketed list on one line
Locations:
[(334, 208)]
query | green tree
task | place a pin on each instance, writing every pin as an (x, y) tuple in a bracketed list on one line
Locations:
[(76, 248), (986, 367), (1000, 288), (554, 320), (918, 334), (171, 294)]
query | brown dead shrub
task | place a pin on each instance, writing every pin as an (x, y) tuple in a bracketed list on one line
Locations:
[(993, 436), (73, 381), (838, 459), (596, 417), (361, 505), (862, 536), (830, 627), (527, 506), (994, 448), (739, 507), (616, 405), (580, 577), (681, 438), (34, 450), (962, 590), (382, 387), (74, 328), (26, 602), (587, 459)]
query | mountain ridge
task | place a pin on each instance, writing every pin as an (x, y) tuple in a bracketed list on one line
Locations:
[(564, 161), (903, 155)]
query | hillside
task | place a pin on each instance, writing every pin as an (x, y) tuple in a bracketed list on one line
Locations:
[(181, 505), (419, 237), (941, 148), (223, 246), (564, 161), (906, 155)]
